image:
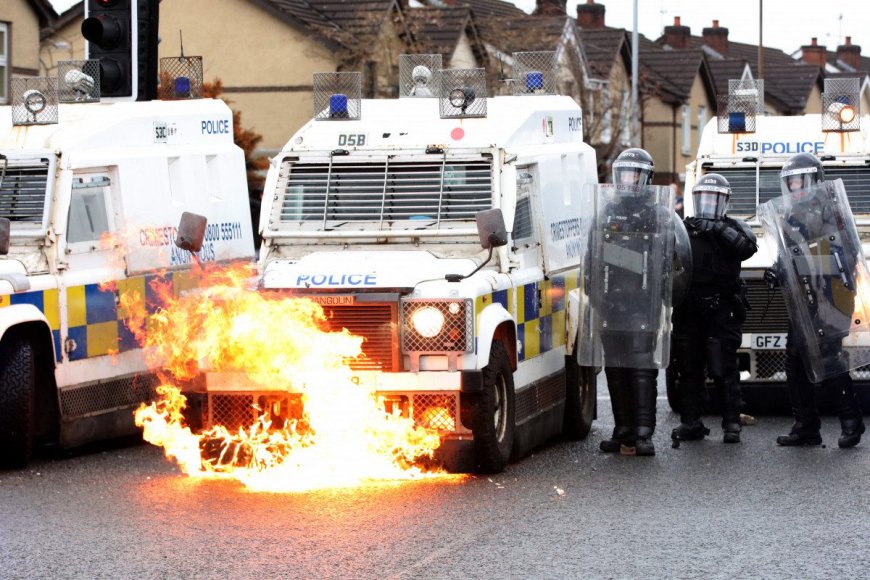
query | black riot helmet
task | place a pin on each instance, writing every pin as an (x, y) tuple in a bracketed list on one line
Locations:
[(800, 173), (711, 196), (633, 167)]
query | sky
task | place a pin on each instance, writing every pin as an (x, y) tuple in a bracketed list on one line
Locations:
[(788, 24)]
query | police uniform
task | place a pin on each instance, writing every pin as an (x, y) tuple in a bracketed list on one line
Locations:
[(708, 324)]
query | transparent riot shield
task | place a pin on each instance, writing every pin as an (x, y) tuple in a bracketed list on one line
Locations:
[(682, 265), (823, 275), (627, 276)]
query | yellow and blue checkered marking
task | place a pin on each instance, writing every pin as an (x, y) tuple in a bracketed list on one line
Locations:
[(46, 302), (540, 312), (95, 321)]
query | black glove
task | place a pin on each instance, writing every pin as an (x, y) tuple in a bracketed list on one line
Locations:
[(771, 278), (699, 225)]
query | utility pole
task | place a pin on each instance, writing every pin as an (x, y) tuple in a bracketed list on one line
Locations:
[(635, 131)]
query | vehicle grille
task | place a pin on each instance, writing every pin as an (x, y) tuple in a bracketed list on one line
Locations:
[(743, 204), (384, 191), (109, 395), (374, 322), (231, 411), (435, 411), (23, 192), (768, 312)]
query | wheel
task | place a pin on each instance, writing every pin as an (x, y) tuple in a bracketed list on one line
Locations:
[(17, 371), (494, 414), (580, 398), (673, 387)]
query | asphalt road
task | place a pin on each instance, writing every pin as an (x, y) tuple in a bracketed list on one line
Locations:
[(705, 510)]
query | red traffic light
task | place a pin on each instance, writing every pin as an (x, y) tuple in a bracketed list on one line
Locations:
[(107, 3)]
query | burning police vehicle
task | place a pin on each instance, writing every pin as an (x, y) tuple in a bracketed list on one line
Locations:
[(442, 230)]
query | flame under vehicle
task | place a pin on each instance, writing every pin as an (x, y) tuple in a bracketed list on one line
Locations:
[(73, 173), (378, 210), (749, 149)]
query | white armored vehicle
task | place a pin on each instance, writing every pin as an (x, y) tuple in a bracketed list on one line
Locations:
[(749, 150), (391, 215), (91, 194)]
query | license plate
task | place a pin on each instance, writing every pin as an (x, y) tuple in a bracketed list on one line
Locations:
[(768, 341)]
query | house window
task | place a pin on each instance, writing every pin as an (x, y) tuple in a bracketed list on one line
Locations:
[(702, 121), (686, 144), (4, 63)]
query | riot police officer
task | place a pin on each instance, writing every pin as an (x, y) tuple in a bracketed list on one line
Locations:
[(632, 389), (810, 215), (707, 325)]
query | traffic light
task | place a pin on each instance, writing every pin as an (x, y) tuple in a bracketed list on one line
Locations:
[(122, 35)]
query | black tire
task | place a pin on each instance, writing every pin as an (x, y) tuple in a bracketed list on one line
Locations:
[(673, 387), (581, 391), (494, 414), (17, 388)]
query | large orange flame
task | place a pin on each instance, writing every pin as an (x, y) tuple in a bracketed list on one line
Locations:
[(344, 436)]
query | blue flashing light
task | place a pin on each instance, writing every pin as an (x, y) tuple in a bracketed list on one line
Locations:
[(182, 87), (534, 81), (737, 122), (338, 106)]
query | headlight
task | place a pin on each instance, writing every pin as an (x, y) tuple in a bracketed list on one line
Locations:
[(427, 321), (461, 97)]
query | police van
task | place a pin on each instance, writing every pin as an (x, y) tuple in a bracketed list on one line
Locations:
[(91, 194), (444, 230), (749, 150)]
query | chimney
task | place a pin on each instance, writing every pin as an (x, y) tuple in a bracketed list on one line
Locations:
[(814, 54), (590, 15), (550, 8), (677, 36), (716, 37), (850, 54)]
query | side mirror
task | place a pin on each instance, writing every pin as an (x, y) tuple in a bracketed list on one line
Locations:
[(191, 232), (5, 235), (491, 228)]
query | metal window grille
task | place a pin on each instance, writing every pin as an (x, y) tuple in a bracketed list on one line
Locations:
[(23, 192), (422, 192)]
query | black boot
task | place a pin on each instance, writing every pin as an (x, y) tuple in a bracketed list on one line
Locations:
[(849, 410), (801, 392), (852, 431), (731, 431), (690, 431), (617, 386), (803, 432), (644, 444), (643, 384)]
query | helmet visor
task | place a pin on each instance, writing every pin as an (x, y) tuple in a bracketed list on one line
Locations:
[(710, 204), (631, 173), (799, 181)]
